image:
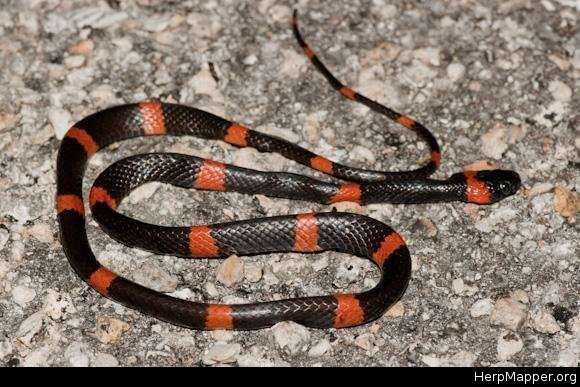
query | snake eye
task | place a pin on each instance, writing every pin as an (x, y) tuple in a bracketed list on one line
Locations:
[(505, 188)]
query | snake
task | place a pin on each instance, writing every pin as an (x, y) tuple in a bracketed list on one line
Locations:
[(308, 233)]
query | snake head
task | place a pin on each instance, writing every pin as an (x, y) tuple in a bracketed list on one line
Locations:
[(488, 187)]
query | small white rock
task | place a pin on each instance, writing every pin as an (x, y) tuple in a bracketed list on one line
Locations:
[(60, 120), (455, 71), (222, 353), (230, 271), (42, 232), (365, 341), (458, 286), (539, 189), (292, 64), (109, 330), (22, 295), (30, 327), (5, 348), (250, 60), (320, 349), (74, 61), (544, 322), (104, 360), (76, 355), (360, 152), (222, 336), (291, 337), (494, 142), (143, 192), (509, 313), (57, 305), (397, 310), (4, 236), (154, 277), (508, 344), (560, 91), (253, 272), (481, 308)]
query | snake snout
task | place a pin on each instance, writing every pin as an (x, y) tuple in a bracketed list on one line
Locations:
[(501, 183)]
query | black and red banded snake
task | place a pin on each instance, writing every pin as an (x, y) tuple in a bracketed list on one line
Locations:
[(304, 233)]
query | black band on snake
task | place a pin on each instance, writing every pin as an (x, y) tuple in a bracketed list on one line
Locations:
[(354, 234)]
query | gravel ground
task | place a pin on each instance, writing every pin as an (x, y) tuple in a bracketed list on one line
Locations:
[(495, 80)]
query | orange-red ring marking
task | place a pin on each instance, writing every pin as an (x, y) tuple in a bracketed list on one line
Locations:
[(153, 120), (348, 312)]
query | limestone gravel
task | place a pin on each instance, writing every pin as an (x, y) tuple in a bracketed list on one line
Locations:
[(496, 81)]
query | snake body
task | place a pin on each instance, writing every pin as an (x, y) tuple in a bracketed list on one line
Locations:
[(304, 233)]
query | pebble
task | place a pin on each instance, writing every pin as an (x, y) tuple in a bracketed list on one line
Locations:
[(99, 17), (291, 337), (566, 202), (83, 47), (320, 348), (481, 165), (312, 127), (481, 308), (250, 60), (7, 120), (457, 285), (560, 91), (76, 355), (30, 328), (293, 63), (5, 348), (455, 71), (42, 232), (204, 83), (222, 336), (230, 271), (221, 353), (520, 296), (57, 305), (360, 152), (428, 55), (494, 142), (37, 358), (152, 276), (61, 120), (500, 215), (4, 236), (253, 272), (143, 192), (509, 313), (4, 268), (157, 24), (544, 322), (460, 359), (291, 270), (104, 360), (540, 189), (74, 61), (320, 264), (508, 344), (105, 94), (419, 72), (347, 272), (109, 330), (351, 207), (365, 341), (258, 357), (397, 310), (22, 295)]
